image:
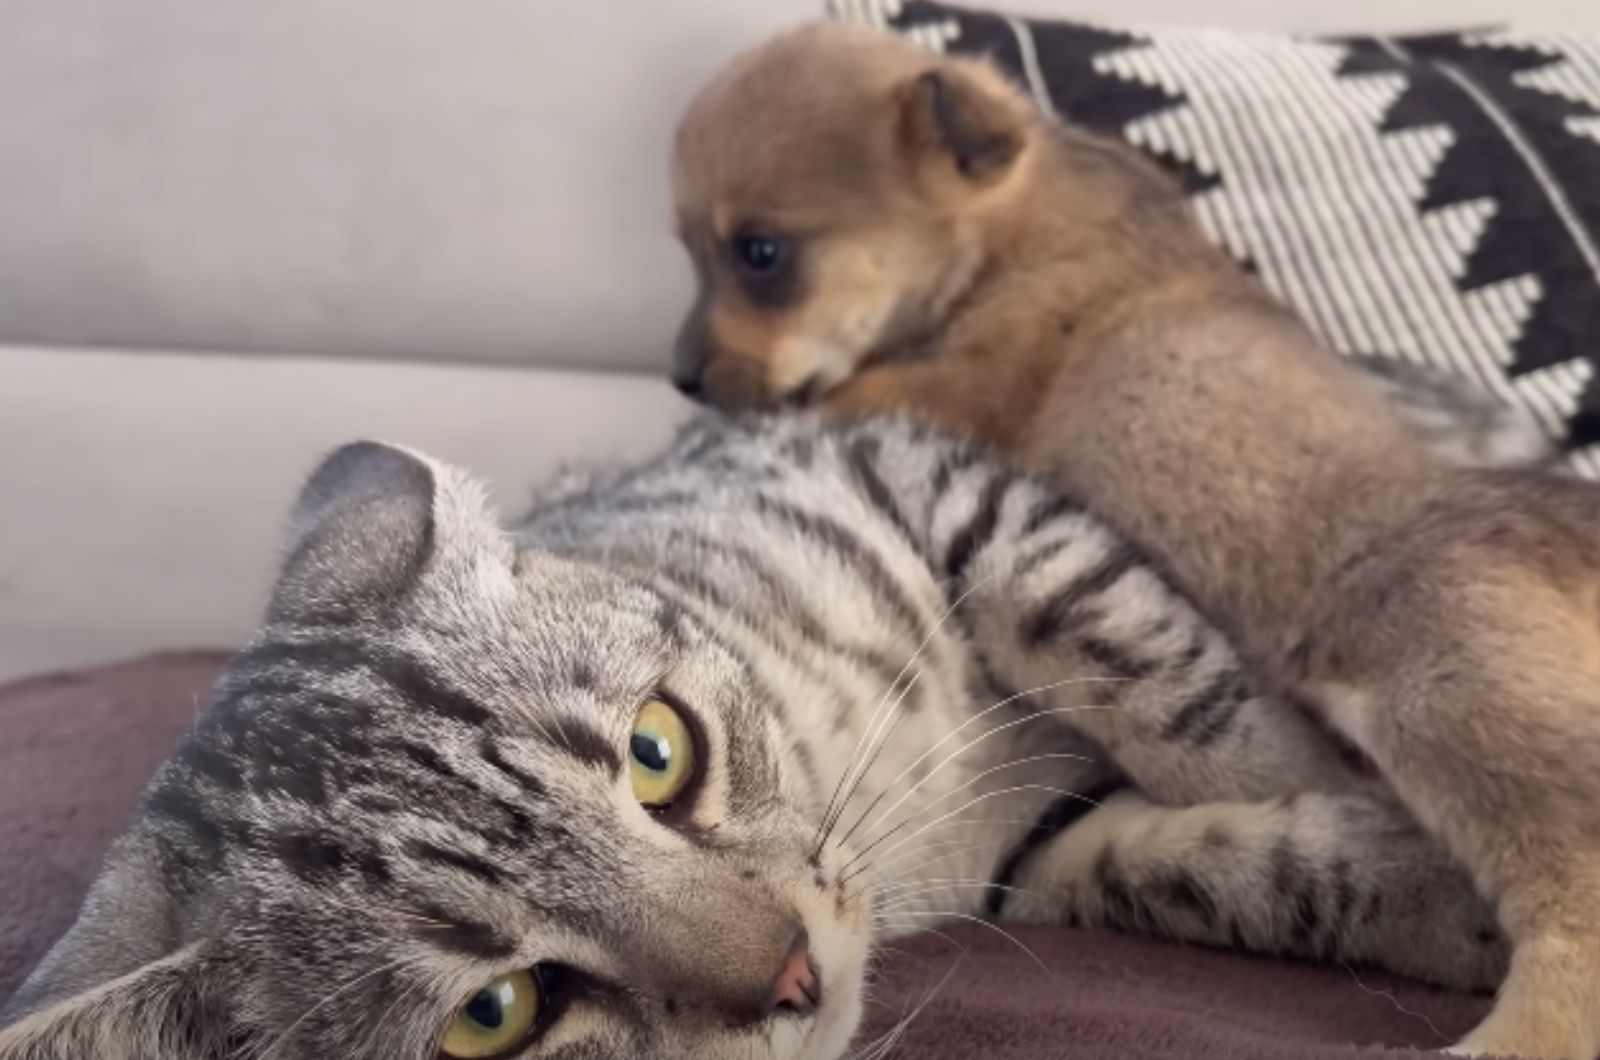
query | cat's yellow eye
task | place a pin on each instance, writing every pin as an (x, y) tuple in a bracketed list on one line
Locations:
[(660, 754), (496, 1020)]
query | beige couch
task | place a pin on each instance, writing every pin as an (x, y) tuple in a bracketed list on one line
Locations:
[(235, 233)]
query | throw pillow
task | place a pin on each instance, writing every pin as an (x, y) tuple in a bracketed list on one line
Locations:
[(1433, 198)]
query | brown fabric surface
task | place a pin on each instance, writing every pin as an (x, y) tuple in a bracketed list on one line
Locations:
[(75, 749)]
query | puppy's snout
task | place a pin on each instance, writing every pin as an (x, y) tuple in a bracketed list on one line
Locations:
[(689, 386), (690, 355)]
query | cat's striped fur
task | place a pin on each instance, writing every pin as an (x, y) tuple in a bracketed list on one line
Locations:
[(899, 655)]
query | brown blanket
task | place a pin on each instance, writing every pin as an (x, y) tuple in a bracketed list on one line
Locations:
[(76, 748)]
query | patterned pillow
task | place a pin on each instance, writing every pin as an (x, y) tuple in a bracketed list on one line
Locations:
[(1431, 198)]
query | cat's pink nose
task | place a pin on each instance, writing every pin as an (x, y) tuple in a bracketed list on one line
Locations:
[(797, 988)]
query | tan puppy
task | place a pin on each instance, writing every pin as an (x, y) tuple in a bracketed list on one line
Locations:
[(892, 230)]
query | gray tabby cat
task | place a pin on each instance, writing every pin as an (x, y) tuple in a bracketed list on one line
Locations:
[(650, 773)]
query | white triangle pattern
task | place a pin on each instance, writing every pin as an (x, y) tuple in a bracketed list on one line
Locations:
[(880, 13), (1575, 74), (1325, 203), (877, 13)]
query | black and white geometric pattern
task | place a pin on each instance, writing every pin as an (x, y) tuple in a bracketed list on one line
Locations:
[(1433, 198)]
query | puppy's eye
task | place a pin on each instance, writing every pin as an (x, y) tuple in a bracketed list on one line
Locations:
[(759, 254), (661, 755), (497, 1021)]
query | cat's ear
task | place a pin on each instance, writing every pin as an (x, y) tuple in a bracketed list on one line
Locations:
[(371, 520), (117, 986), (157, 1010), (360, 533)]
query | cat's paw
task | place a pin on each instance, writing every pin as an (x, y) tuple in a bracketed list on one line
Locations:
[(1050, 882)]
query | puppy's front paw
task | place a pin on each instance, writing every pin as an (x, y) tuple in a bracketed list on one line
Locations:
[(1553, 1024)]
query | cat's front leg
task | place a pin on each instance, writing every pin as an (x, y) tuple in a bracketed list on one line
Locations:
[(1315, 876), (1252, 831), (1076, 622)]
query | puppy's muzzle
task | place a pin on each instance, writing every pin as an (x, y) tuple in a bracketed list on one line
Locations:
[(691, 353)]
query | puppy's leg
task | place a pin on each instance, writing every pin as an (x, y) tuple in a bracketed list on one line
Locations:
[(951, 393), (1476, 688), (966, 394), (1327, 877)]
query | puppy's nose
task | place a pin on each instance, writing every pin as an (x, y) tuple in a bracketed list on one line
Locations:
[(690, 386), (691, 352), (798, 989)]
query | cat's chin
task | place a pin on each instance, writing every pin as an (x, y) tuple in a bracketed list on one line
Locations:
[(833, 1029), (844, 969)]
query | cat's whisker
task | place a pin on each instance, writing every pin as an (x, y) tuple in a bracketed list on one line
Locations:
[(1027, 760), (877, 740), (952, 734), (886, 950), (402, 996), (868, 735), (974, 742), (344, 988), (875, 1047), (893, 887), (872, 760), (916, 901), (870, 1049), (847, 778), (957, 823), (897, 898), (991, 926), (951, 939), (887, 692), (549, 737), (544, 731), (885, 1043), (961, 809), (729, 617), (961, 845), (873, 888), (932, 883), (900, 1029), (975, 779)]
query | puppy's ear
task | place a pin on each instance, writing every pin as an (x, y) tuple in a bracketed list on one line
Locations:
[(947, 113)]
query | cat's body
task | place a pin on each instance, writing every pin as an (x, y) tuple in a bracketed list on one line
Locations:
[(409, 783)]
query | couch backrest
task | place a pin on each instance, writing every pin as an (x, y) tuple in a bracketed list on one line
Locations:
[(481, 179), (466, 179)]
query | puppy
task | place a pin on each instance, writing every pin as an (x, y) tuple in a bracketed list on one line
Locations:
[(883, 229)]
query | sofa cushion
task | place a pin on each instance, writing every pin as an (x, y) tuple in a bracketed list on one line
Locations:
[(1433, 198), (145, 493)]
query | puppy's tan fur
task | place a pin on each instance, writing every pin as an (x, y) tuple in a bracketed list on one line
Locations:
[(949, 251)]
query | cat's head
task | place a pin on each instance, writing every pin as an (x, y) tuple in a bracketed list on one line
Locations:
[(458, 799)]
